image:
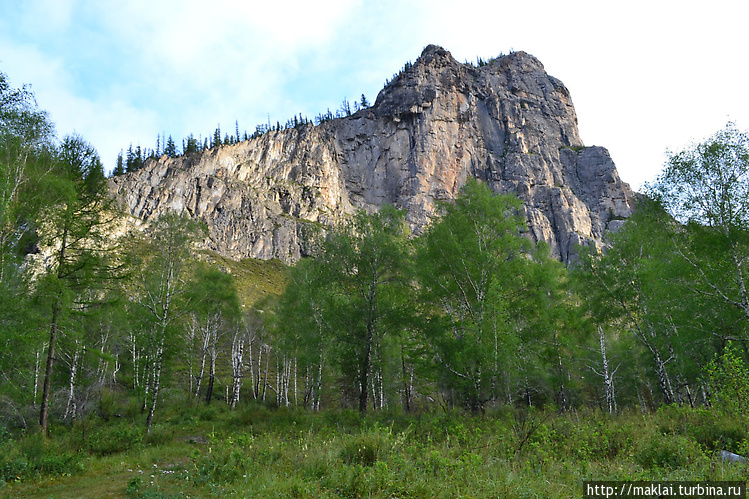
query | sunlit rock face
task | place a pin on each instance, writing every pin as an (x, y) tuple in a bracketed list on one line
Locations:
[(439, 122)]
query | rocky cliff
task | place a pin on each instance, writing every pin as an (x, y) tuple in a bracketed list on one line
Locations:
[(438, 122)]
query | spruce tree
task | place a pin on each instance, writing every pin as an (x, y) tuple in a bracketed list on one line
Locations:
[(171, 148)]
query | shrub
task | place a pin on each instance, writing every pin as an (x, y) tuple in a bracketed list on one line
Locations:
[(669, 451), (33, 456), (729, 379), (367, 448), (121, 438)]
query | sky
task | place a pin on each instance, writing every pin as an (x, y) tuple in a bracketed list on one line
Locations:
[(646, 77)]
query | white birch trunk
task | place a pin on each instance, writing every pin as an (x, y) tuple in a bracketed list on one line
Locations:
[(70, 407), (237, 366), (37, 370)]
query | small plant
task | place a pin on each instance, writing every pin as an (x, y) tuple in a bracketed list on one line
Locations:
[(105, 441), (366, 449), (669, 452), (729, 379)]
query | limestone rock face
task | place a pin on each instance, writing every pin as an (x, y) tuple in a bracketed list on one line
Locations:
[(437, 123)]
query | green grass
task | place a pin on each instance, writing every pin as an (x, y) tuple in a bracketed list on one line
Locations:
[(255, 279), (256, 451)]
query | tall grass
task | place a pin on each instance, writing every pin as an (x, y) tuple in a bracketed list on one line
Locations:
[(255, 451)]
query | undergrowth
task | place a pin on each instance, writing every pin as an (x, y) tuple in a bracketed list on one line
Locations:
[(255, 451)]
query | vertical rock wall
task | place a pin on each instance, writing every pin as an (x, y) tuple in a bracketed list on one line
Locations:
[(507, 123)]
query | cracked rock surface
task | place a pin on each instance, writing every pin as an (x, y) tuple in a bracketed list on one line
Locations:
[(437, 123)]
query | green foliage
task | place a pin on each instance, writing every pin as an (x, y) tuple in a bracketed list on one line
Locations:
[(350, 298), (708, 183), (670, 452), (35, 456), (113, 439), (728, 378), (705, 188), (642, 287), (711, 429), (288, 453), (489, 298), (470, 314)]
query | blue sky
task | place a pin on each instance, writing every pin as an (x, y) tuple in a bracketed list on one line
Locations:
[(645, 76)]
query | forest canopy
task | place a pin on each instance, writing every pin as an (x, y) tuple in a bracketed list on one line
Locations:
[(472, 314)]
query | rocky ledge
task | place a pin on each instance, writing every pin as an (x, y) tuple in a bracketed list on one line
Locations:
[(437, 123)]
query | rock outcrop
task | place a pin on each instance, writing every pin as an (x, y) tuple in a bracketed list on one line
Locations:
[(437, 123)]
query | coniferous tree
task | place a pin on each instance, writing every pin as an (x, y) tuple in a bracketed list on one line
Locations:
[(190, 146), (138, 158), (216, 137), (130, 160), (171, 148), (119, 169), (76, 227)]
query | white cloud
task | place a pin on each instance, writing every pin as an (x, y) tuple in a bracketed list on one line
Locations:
[(644, 76)]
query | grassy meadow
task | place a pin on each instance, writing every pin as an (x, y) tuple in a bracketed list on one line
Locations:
[(200, 450)]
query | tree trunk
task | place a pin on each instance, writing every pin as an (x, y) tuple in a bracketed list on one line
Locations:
[(156, 380), (265, 375), (70, 408), (406, 383), (664, 382), (608, 380), (211, 375), (364, 374), (563, 404), (237, 366), (251, 367), (48, 370), (204, 352), (37, 368), (318, 394)]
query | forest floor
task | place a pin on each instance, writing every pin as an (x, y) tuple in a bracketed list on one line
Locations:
[(255, 451)]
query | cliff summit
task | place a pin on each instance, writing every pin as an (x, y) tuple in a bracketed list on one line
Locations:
[(435, 124)]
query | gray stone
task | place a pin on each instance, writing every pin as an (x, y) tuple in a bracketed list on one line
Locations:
[(730, 457), (436, 124)]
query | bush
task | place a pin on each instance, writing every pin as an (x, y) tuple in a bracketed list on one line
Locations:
[(670, 452), (33, 456), (366, 449), (729, 380), (713, 429), (105, 441)]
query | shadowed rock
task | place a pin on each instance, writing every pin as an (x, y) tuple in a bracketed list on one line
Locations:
[(437, 123)]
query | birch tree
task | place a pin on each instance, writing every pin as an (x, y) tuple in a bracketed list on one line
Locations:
[(351, 296), (215, 313), (705, 188), (471, 269), (636, 287), (161, 295)]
